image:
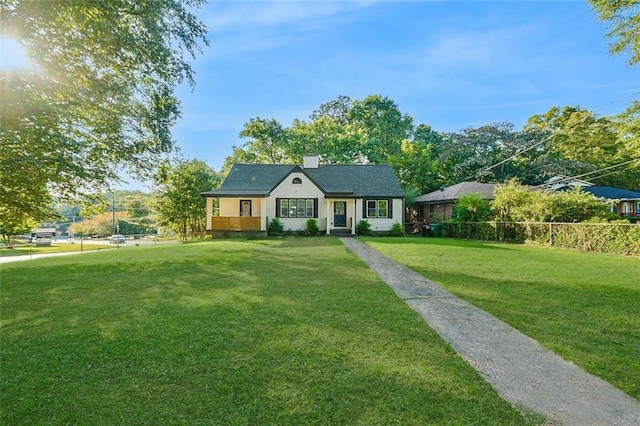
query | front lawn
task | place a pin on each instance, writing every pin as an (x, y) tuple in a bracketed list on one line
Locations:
[(583, 306), (292, 331)]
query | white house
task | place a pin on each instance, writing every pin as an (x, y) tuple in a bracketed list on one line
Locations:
[(337, 196)]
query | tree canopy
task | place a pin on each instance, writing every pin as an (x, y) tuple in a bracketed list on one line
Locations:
[(589, 145), (100, 97), (178, 202), (623, 17), (563, 141), (341, 131)]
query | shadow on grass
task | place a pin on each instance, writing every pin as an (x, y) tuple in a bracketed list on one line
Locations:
[(594, 325), (233, 333), (438, 241)]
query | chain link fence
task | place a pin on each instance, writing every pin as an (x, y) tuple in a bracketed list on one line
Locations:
[(619, 238)]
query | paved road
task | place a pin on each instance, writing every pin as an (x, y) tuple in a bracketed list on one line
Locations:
[(128, 244), (519, 369)]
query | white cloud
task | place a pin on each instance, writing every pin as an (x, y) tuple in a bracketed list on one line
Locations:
[(254, 15), (249, 26)]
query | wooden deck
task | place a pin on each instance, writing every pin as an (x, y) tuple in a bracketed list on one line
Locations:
[(235, 223)]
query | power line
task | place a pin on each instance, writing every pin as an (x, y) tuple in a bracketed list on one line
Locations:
[(624, 163), (567, 179), (607, 174), (522, 151), (553, 133)]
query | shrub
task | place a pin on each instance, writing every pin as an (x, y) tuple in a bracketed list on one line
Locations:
[(397, 230), (275, 227), (595, 235), (472, 207), (312, 227), (363, 227), (516, 203)]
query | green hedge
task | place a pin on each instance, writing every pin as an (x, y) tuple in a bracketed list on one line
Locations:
[(609, 237)]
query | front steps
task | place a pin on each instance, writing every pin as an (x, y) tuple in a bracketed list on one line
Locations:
[(341, 233)]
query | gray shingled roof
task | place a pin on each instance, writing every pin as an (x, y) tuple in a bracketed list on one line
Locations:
[(456, 191), (364, 180), (612, 193)]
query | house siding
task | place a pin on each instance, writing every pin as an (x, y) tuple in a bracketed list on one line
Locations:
[(230, 207), (381, 224), (288, 189), (437, 212)]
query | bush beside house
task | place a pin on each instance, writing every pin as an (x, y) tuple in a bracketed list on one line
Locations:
[(572, 219)]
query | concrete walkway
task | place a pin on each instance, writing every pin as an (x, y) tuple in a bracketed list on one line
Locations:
[(519, 369)]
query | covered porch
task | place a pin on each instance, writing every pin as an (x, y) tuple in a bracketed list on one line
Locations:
[(341, 216), (236, 214)]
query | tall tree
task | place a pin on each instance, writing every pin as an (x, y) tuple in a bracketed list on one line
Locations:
[(100, 96), (326, 136), (341, 131), (269, 140), (382, 125), (623, 16), (179, 204), (627, 125), (589, 143), (336, 110), (417, 165), (492, 153)]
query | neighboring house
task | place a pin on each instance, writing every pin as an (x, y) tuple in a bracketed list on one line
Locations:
[(438, 205), (559, 182), (624, 202), (337, 196)]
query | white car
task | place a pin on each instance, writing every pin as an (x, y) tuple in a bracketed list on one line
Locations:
[(116, 239)]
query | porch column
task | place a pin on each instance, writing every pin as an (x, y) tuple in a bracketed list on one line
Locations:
[(353, 221), (263, 214), (209, 212), (328, 231)]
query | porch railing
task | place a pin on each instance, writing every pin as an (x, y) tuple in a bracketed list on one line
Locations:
[(244, 223)]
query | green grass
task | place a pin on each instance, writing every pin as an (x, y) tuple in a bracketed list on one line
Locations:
[(26, 249), (583, 306), (291, 331)]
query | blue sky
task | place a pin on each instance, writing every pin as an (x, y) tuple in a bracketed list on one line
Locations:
[(447, 64)]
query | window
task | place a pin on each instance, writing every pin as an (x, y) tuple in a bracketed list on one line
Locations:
[(377, 208), (245, 207), (300, 209), (296, 181), (297, 207), (637, 207), (284, 208), (432, 211), (216, 207)]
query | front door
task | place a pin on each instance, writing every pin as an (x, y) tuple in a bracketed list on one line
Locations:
[(340, 213)]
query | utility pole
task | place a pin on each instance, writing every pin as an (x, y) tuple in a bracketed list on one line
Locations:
[(113, 210)]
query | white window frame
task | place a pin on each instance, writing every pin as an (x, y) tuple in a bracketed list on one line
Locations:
[(303, 208), (373, 209)]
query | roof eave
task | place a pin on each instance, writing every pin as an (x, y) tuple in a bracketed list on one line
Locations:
[(233, 194)]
